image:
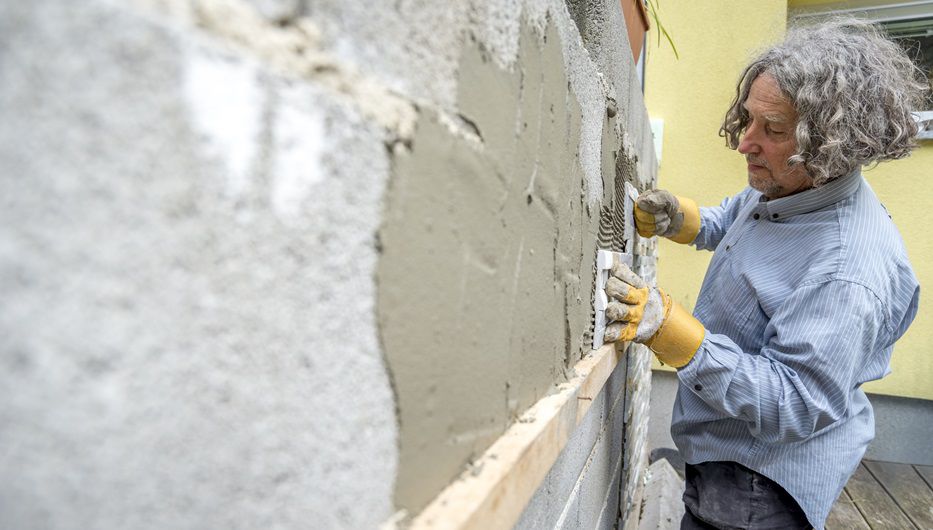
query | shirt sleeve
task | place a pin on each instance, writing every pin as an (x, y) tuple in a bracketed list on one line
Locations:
[(716, 220), (818, 341)]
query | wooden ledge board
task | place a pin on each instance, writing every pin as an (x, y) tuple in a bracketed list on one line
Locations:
[(502, 482)]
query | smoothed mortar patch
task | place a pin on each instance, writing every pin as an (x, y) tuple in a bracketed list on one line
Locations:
[(486, 272)]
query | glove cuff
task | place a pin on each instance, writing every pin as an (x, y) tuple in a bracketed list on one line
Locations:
[(679, 337), (642, 217), (691, 227)]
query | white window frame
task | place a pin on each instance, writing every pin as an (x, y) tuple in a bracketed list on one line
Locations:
[(925, 120)]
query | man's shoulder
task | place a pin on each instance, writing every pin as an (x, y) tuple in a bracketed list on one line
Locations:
[(869, 234), (872, 252), (852, 240)]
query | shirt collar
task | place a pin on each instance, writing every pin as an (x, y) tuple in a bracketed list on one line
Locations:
[(812, 199)]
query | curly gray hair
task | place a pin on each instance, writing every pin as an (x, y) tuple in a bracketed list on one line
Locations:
[(854, 91)]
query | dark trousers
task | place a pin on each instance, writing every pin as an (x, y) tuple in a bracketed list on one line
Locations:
[(729, 496)]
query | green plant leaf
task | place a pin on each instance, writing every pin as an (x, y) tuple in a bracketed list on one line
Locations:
[(653, 9)]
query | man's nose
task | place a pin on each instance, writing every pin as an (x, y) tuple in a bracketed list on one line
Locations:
[(748, 145)]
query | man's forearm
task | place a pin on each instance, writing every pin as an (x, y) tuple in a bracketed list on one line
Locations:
[(770, 397)]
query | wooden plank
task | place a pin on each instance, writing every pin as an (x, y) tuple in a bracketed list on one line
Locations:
[(875, 505), (495, 492), (927, 473), (907, 487), (845, 516)]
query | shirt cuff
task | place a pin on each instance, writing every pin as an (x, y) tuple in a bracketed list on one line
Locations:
[(708, 373), (708, 220)]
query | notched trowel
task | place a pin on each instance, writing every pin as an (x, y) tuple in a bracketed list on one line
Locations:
[(604, 261)]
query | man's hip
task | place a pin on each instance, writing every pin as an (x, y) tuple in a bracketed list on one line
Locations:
[(728, 495)]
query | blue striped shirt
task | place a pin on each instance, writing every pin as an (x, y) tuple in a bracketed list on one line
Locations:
[(802, 302)]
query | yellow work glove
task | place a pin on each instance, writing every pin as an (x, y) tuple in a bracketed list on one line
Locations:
[(644, 314), (660, 213)]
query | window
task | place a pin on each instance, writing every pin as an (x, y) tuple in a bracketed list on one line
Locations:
[(916, 37)]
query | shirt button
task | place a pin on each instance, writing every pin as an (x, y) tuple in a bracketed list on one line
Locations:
[(698, 387), (757, 216), (774, 216), (728, 247)]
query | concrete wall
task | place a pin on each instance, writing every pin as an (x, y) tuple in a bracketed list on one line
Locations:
[(269, 262), (188, 308)]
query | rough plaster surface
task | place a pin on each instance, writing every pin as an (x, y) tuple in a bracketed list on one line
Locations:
[(413, 47), (599, 22), (186, 267)]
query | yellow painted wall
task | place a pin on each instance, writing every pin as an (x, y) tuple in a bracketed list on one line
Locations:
[(715, 39)]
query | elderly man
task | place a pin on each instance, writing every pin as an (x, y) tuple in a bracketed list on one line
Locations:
[(807, 291)]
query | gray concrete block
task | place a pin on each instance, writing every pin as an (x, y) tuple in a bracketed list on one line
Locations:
[(591, 499), (662, 507), (609, 514), (663, 391), (593, 490), (550, 500)]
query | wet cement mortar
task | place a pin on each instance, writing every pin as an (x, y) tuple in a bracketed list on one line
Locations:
[(490, 210)]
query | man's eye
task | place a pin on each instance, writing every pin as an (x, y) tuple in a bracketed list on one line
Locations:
[(774, 131)]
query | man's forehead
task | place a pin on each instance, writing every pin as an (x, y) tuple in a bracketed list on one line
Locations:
[(775, 116), (766, 100)]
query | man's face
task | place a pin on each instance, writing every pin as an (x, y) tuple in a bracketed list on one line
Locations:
[(768, 141)]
